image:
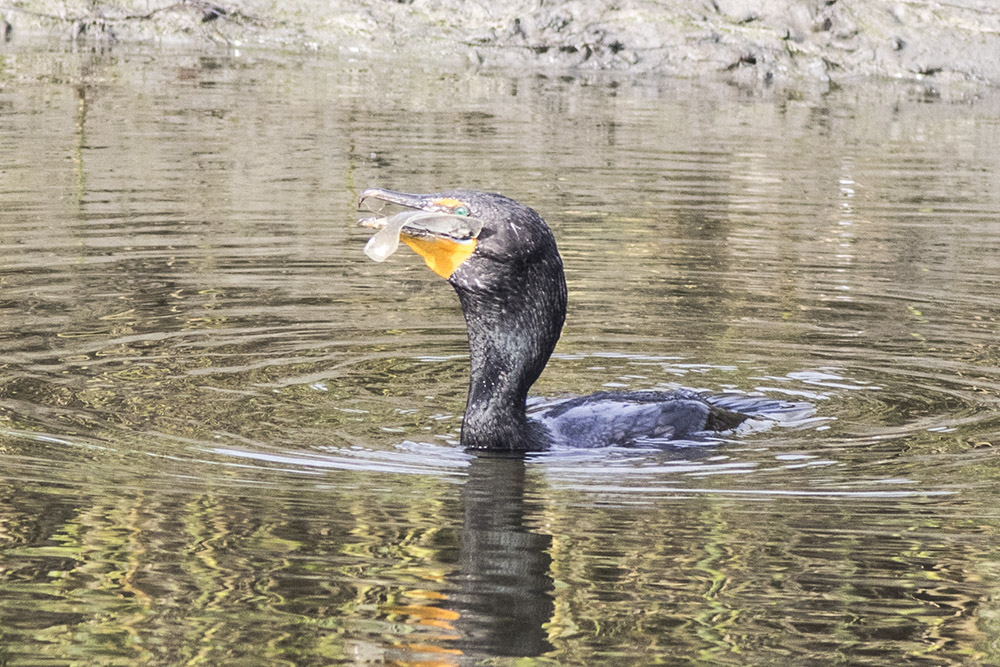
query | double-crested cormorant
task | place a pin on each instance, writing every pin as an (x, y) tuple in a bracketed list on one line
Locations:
[(509, 278)]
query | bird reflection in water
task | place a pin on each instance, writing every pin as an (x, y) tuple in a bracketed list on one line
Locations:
[(499, 600)]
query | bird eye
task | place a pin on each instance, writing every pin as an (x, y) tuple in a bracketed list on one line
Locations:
[(461, 210)]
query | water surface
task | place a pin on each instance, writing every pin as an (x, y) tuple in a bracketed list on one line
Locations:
[(227, 437)]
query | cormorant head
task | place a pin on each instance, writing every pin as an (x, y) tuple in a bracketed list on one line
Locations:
[(510, 235), (502, 260)]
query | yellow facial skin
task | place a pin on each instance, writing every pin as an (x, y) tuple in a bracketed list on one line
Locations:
[(448, 202), (442, 255)]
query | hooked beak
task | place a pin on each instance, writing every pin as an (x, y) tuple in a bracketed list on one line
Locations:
[(419, 202), (448, 225)]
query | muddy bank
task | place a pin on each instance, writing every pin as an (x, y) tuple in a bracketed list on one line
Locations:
[(749, 41)]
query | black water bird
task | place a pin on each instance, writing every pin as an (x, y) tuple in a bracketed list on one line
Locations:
[(510, 282)]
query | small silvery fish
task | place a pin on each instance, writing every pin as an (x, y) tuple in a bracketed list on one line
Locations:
[(417, 223)]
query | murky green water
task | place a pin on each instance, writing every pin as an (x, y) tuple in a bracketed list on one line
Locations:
[(226, 437)]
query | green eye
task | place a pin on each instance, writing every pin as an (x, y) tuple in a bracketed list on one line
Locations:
[(461, 210)]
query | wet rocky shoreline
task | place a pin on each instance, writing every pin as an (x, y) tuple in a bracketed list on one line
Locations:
[(751, 42)]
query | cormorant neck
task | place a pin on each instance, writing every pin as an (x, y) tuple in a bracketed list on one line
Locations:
[(514, 314)]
